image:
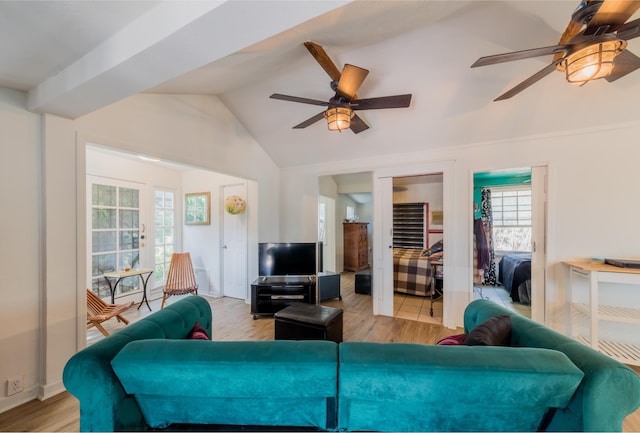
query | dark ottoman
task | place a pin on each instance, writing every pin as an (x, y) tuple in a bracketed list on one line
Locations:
[(363, 282), (301, 321)]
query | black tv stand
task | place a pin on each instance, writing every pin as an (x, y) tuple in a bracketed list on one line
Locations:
[(271, 294)]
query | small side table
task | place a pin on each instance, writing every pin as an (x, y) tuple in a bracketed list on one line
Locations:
[(120, 275)]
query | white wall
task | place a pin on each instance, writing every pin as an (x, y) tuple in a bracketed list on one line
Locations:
[(204, 242), (592, 203), (43, 271), (22, 247)]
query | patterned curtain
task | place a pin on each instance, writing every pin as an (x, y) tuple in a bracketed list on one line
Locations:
[(487, 220)]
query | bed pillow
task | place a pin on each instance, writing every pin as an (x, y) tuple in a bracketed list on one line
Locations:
[(198, 333), (452, 340), (495, 331)]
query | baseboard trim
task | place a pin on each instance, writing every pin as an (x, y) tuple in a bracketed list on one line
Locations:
[(18, 399), (51, 390)]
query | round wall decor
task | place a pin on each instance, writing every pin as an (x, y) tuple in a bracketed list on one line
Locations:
[(235, 205)]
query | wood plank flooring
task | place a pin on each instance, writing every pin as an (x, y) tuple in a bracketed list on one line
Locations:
[(232, 321)]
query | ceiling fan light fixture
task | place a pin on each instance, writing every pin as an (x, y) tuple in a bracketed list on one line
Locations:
[(592, 61), (338, 118)]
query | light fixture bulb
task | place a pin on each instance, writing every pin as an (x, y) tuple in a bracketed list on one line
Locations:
[(592, 61), (338, 118)]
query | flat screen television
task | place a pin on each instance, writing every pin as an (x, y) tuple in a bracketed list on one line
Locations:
[(286, 259)]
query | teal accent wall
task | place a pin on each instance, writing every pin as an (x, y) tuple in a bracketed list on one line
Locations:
[(492, 178)]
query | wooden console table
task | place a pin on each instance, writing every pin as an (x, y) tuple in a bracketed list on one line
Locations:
[(597, 273)]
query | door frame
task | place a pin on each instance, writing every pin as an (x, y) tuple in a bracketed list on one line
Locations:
[(539, 182), (383, 235)]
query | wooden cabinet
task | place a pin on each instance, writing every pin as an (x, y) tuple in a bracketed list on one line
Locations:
[(356, 247)]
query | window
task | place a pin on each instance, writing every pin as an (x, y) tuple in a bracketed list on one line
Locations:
[(511, 218), (115, 235), (165, 229)]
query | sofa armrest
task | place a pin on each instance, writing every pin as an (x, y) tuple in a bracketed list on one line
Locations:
[(607, 394), (104, 405)]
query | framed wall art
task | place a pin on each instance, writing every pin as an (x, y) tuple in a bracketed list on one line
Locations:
[(197, 208)]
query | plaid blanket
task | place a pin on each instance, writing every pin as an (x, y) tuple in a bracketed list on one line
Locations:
[(411, 272)]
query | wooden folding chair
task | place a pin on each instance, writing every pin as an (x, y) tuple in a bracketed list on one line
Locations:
[(181, 279), (99, 311)]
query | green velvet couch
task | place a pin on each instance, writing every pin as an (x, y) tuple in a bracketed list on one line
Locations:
[(150, 376)]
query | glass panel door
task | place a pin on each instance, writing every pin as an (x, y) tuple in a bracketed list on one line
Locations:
[(115, 235)]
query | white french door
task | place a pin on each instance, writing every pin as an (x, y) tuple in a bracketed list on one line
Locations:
[(115, 234)]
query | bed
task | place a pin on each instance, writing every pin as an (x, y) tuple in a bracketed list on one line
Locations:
[(514, 272), (412, 272)]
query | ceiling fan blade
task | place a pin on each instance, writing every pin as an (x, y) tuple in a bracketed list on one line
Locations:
[(357, 124), (528, 82), (629, 30), (624, 63), (397, 101), (310, 121), (570, 32), (519, 55), (323, 59), (611, 15), (298, 99), (351, 80)]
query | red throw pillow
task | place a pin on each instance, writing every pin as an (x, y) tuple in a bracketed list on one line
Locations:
[(198, 333), (452, 340)]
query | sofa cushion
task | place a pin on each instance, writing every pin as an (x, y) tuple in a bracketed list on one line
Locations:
[(495, 331), (413, 387), (281, 383)]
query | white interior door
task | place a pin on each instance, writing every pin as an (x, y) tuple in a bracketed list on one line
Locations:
[(383, 256), (538, 240), (234, 247), (327, 232)]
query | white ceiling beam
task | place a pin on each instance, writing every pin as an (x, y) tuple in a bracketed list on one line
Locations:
[(168, 41)]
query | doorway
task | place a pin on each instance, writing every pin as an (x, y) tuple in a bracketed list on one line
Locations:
[(418, 254), (509, 238), (163, 228)]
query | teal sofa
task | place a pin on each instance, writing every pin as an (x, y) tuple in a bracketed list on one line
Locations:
[(607, 394), (150, 376), (104, 405)]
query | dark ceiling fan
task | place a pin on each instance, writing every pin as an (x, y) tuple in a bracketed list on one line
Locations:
[(340, 112), (592, 46)]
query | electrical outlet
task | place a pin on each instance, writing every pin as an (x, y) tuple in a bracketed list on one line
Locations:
[(15, 385)]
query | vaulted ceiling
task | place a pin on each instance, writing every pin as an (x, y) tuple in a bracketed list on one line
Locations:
[(75, 57)]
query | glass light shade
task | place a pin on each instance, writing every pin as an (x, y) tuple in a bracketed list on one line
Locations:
[(592, 62), (338, 118)]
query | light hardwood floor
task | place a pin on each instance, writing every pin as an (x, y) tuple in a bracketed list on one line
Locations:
[(232, 321)]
